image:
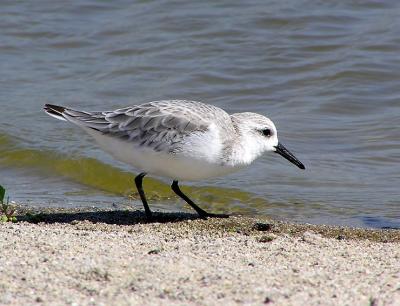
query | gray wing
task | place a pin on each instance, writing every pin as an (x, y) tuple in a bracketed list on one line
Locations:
[(159, 125)]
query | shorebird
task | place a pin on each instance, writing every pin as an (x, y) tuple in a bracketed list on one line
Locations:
[(178, 139)]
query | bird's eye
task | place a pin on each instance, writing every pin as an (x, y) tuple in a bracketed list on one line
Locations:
[(267, 132)]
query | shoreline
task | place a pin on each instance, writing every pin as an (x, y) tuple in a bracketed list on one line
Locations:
[(131, 216), (97, 257)]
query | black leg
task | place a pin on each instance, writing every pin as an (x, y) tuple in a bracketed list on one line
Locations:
[(202, 213), (138, 182)]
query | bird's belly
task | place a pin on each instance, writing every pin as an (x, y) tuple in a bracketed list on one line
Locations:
[(174, 166), (184, 168)]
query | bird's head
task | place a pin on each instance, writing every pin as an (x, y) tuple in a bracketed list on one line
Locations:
[(260, 135)]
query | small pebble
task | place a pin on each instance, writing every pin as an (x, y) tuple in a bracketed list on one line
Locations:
[(267, 300), (267, 238), (262, 227)]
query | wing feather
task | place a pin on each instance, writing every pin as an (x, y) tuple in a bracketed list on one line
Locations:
[(160, 125), (149, 125)]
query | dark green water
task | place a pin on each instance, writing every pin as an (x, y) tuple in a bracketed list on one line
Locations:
[(328, 74)]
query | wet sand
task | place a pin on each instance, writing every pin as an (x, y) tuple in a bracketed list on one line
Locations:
[(95, 257)]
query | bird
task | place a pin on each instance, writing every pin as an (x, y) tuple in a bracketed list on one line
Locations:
[(178, 140)]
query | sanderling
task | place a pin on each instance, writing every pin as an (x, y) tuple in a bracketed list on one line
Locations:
[(181, 140)]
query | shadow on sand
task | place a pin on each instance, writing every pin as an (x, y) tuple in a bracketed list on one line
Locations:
[(118, 217)]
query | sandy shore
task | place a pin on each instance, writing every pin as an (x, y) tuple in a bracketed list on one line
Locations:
[(115, 258)]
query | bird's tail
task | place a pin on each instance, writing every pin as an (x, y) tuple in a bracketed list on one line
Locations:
[(92, 120), (55, 111)]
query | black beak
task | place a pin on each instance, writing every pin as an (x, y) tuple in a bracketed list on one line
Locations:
[(281, 150)]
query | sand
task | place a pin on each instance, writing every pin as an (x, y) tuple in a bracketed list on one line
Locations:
[(97, 257)]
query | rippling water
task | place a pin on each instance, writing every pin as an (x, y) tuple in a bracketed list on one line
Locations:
[(328, 74)]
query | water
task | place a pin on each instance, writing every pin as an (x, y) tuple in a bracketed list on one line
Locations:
[(327, 73)]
